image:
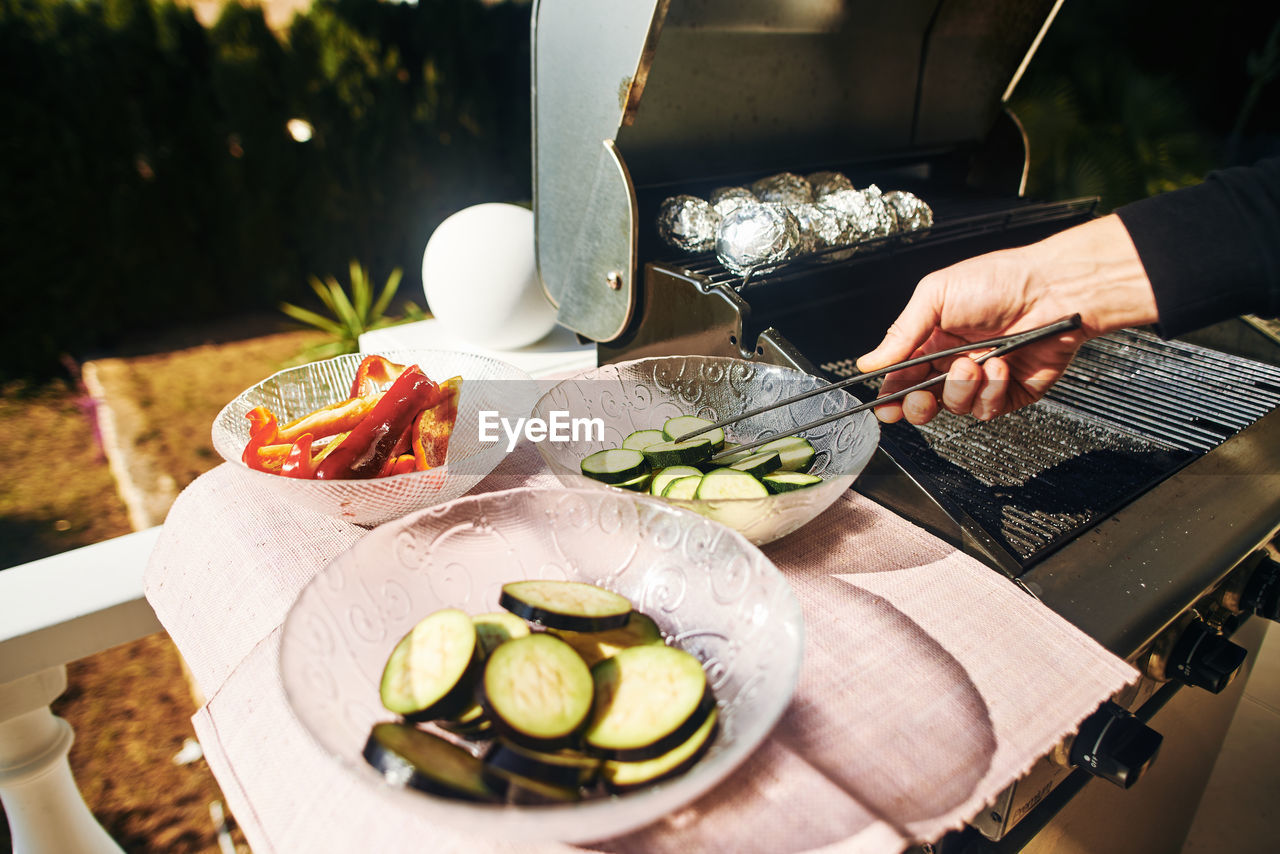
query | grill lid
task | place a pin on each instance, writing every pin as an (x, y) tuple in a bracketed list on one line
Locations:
[(669, 92)]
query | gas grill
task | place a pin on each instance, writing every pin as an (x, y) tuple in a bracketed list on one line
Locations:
[(1138, 499)]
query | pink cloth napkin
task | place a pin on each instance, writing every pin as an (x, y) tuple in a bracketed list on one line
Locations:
[(929, 684)]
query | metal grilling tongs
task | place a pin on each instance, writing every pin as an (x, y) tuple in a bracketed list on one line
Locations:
[(993, 346)]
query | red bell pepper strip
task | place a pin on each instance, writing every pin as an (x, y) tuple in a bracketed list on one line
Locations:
[(299, 462), (374, 376), (262, 432), (432, 429), (364, 451)]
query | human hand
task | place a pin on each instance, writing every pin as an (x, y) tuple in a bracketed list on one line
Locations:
[(1091, 269)]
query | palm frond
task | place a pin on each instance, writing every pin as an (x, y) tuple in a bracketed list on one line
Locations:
[(351, 315), (388, 291), (311, 318)]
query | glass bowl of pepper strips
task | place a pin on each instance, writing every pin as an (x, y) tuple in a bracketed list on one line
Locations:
[(369, 438)]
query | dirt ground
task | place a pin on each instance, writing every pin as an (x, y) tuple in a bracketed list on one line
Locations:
[(130, 706)]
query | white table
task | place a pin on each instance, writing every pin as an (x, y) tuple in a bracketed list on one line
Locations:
[(558, 353)]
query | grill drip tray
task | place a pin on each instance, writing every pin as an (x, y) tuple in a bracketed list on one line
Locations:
[(1131, 410)]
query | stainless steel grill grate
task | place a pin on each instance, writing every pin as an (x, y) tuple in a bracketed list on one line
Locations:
[(1131, 410)]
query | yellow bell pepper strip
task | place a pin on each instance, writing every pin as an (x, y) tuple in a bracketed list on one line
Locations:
[(299, 463), (364, 451), (259, 452), (335, 418), (434, 426), (374, 376), (329, 448)]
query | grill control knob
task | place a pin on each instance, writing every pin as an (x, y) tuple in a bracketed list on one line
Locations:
[(1261, 594), (1115, 745), (1205, 659)]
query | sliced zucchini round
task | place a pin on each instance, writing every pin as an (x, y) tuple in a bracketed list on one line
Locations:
[(432, 671), (597, 646), (408, 756), (648, 699), (685, 488), (636, 484), (538, 691), (614, 465), (796, 452), (733, 457), (664, 476), (622, 777), (689, 453), (730, 483), (788, 481), (758, 464), (571, 605), (642, 439), (498, 627), (683, 425)]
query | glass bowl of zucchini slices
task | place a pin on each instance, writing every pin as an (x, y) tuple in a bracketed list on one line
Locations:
[(622, 427), (543, 664)]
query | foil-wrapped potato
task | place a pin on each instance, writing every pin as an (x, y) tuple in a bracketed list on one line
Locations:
[(757, 236), (688, 223)]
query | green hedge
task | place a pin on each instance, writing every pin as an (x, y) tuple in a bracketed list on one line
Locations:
[(147, 177)]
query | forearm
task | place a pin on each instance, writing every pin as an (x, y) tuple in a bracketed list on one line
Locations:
[(1212, 251), (1094, 270)]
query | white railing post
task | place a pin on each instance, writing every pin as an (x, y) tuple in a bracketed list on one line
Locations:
[(46, 813), (52, 611)]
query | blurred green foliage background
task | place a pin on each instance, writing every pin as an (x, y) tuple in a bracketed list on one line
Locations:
[(147, 177), (1127, 99)]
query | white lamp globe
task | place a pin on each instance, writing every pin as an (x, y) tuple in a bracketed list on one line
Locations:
[(480, 278)]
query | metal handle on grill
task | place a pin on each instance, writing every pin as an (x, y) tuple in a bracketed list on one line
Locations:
[(998, 347)]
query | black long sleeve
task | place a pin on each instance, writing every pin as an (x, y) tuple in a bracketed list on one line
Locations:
[(1212, 251)]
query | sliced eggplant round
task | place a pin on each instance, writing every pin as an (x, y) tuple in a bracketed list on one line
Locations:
[(498, 627), (432, 671), (648, 699), (571, 605), (569, 768), (538, 691), (622, 777), (470, 724), (408, 756), (597, 646)]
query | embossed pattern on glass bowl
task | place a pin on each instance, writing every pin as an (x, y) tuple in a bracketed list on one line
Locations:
[(642, 394), (713, 594), (487, 384)]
